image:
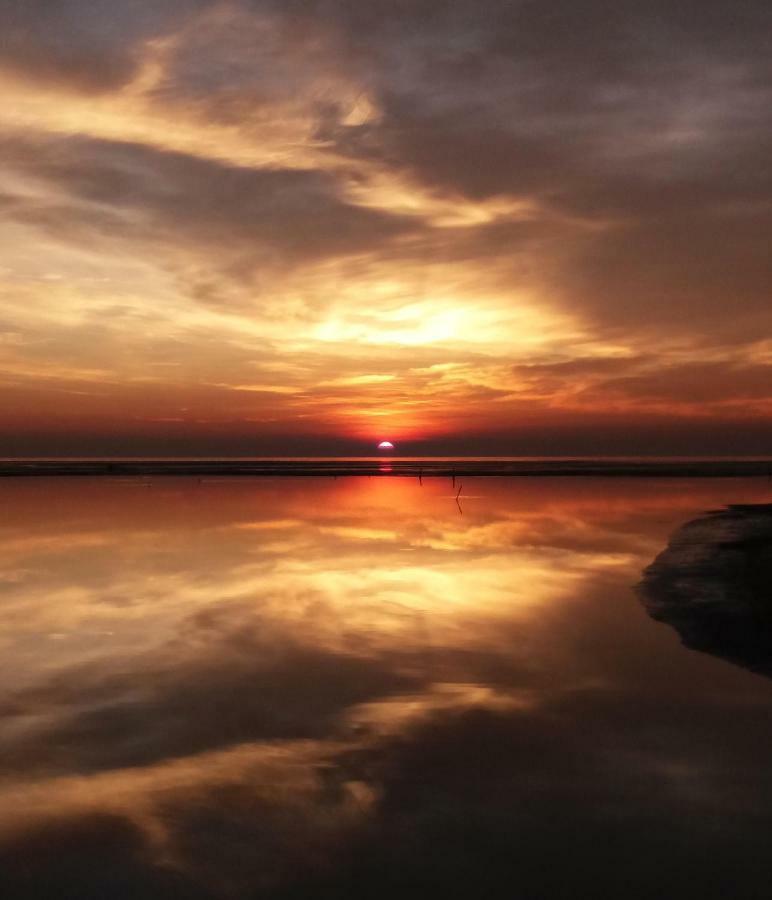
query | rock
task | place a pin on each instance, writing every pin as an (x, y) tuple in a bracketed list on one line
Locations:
[(713, 584)]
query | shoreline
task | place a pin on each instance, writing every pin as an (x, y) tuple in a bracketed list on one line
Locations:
[(390, 468)]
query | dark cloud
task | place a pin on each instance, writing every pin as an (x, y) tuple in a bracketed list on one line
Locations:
[(693, 383), (653, 120), (709, 275), (93, 45), (270, 215)]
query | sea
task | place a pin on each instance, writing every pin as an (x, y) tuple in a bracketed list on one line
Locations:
[(471, 678)]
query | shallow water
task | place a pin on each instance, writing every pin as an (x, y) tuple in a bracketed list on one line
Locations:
[(355, 687)]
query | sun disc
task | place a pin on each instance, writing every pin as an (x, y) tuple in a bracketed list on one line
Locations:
[(385, 445)]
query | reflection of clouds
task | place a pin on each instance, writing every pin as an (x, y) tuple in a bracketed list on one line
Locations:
[(331, 580), (254, 684), (560, 774), (400, 713), (278, 804)]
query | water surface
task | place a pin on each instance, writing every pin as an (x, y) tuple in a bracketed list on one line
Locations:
[(327, 688)]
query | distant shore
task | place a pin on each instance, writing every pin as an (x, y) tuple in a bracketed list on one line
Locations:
[(427, 468)]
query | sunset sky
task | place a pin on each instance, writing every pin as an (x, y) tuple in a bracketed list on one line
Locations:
[(482, 226)]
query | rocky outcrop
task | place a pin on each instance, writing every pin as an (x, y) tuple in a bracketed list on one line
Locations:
[(713, 584)]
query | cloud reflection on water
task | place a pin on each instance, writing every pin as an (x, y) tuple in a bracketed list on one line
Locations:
[(289, 688)]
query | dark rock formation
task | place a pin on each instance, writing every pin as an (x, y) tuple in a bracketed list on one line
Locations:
[(713, 584)]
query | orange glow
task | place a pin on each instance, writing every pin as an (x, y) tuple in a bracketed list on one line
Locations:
[(289, 261)]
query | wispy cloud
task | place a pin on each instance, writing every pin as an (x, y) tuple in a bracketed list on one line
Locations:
[(353, 198)]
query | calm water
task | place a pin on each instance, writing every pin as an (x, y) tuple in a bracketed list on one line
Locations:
[(354, 688)]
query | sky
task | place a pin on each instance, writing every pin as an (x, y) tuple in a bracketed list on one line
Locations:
[(482, 226)]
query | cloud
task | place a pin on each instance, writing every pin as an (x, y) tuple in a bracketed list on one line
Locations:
[(153, 197), (89, 46), (226, 185)]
